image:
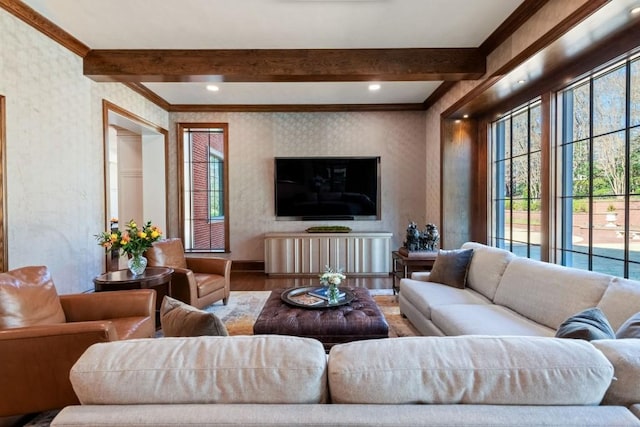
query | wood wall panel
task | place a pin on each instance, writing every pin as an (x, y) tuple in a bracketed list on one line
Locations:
[(458, 181)]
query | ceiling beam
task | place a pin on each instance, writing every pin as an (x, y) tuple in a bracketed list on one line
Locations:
[(291, 108), (285, 65)]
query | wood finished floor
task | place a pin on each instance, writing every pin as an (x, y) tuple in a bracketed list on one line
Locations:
[(258, 281)]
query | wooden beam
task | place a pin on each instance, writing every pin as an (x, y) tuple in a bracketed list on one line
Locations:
[(285, 65), (290, 108)]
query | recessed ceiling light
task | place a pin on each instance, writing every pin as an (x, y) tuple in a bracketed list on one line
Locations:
[(635, 10), (458, 121), (213, 88), (374, 86), (466, 116)]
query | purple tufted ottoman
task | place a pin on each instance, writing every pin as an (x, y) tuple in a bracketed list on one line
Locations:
[(359, 320)]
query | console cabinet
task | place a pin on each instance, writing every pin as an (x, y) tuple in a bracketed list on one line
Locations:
[(361, 253)]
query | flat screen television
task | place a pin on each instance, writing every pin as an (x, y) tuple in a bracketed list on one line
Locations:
[(327, 188)]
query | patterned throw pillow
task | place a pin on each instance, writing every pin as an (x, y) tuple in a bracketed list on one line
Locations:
[(451, 267), (630, 328), (590, 324), (182, 320)]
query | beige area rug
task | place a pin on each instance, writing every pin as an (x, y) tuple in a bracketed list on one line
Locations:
[(244, 307)]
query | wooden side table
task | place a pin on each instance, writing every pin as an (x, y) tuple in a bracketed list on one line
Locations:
[(157, 278), (404, 265)]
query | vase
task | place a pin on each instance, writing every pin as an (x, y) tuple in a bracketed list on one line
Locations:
[(333, 294), (137, 264)]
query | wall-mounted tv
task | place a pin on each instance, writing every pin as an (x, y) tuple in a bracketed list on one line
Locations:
[(327, 188)]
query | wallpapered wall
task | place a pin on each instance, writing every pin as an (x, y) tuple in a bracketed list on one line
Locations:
[(54, 154), (256, 138)]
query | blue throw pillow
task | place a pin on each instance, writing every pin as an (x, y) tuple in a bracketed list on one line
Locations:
[(590, 324)]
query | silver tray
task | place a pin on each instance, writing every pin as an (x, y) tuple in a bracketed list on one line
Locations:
[(289, 296)]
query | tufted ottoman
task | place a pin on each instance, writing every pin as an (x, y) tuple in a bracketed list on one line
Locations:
[(359, 320)]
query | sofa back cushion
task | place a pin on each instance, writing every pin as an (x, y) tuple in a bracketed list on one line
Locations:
[(620, 301), (487, 267), (548, 293), (624, 354), (469, 370), (237, 369), (28, 297)]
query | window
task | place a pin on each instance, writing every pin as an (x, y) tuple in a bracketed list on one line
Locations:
[(204, 187), (598, 156), (516, 181)]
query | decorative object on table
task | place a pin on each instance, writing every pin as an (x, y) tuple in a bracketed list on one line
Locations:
[(425, 241), (303, 297), (331, 279), (133, 241), (329, 229)]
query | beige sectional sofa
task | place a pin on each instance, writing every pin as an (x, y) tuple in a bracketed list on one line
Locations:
[(510, 295), (272, 380)]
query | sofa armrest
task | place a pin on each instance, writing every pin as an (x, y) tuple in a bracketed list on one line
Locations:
[(220, 266), (422, 276), (183, 285), (109, 305), (35, 362)]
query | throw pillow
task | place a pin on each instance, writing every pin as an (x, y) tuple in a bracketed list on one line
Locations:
[(182, 320), (630, 328), (451, 267), (590, 324)]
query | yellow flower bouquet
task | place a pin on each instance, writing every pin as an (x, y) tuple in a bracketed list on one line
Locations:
[(133, 241)]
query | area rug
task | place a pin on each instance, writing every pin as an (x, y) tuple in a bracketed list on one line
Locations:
[(243, 309)]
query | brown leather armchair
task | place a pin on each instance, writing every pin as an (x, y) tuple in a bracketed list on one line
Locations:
[(43, 334), (196, 281)]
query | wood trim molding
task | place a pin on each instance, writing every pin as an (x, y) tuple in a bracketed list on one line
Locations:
[(521, 15), (141, 89), (545, 40), (291, 108), (111, 107), (20, 10), (4, 260), (285, 65), (437, 94)]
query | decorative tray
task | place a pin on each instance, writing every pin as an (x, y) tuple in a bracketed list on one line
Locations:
[(328, 229), (301, 297)]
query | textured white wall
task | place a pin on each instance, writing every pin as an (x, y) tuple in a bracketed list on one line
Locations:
[(54, 153), (256, 138)]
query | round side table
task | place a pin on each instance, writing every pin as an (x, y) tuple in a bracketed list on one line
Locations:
[(157, 278)]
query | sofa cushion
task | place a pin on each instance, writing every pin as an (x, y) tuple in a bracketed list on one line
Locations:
[(469, 370), (235, 369), (451, 267), (620, 301), (630, 328), (485, 319), (487, 267), (548, 293), (28, 297), (208, 283), (590, 324), (182, 320), (425, 295), (624, 354)]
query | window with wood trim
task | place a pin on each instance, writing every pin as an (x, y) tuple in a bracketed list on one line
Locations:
[(599, 171), (516, 181), (204, 186)]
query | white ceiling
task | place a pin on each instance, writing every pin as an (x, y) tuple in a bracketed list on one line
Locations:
[(280, 24)]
